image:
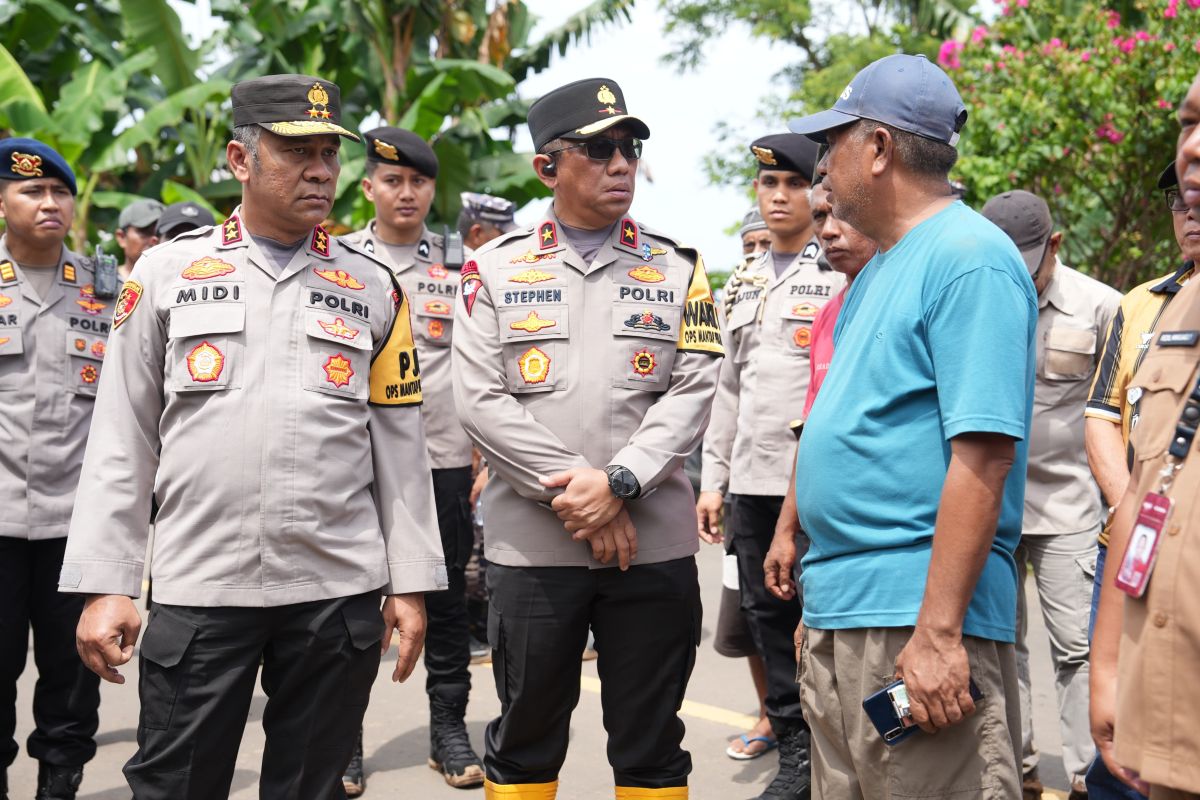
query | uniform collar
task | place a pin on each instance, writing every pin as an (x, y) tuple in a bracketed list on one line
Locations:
[(233, 234), (1175, 281), (807, 255), (423, 253), (626, 237), (71, 276)]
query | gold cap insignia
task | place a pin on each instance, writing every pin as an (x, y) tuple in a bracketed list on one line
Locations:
[(319, 97), (606, 96), (27, 166), (386, 150), (764, 154)]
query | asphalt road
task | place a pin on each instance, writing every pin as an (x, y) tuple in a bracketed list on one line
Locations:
[(719, 705)]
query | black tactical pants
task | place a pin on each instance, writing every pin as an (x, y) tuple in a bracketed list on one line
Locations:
[(66, 697), (647, 627), (447, 633), (772, 621), (197, 672)]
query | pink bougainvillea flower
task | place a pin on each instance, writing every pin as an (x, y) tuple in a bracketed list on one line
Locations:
[(948, 54), (1114, 19), (979, 34), (1085, 56), (1168, 47), (1193, 4), (1163, 103)]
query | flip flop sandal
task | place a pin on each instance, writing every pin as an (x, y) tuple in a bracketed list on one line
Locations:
[(770, 743)]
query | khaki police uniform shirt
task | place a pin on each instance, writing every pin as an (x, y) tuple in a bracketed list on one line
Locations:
[(1157, 702), (52, 352), (1061, 496), (764, 378), (431, 287), (561, 364), (275, 419)]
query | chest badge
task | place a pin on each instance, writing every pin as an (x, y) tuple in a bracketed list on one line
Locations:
[(99, 349), (643, 362), (339, 328), (530, 257), (205, 363), (438, 271), (439, 307), (341, 278), (805, 310), (89, 374), (802, 337), (338, 370), (531, 276), (87, 301), (436, 329), (647, 321), (646, 274), (532, 324), (5, 300), (207, 267), (534, 365)]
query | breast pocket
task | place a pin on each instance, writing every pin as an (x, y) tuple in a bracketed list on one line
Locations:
[(1069, 354), (796, 327), (13, 366), (206, 347), (337, 357), (85, 360), (644, 343), (433, 320), (1159, 385), (535, 345)]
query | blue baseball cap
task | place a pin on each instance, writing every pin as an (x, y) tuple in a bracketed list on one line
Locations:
[(906, 92), (25, 159)]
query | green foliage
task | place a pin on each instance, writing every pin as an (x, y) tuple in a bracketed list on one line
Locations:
[(1077, 105)]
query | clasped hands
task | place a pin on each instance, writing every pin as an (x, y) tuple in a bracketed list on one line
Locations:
[(591, 512)]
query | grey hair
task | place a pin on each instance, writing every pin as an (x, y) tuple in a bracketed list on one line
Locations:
[(922, 156), (248, 137)]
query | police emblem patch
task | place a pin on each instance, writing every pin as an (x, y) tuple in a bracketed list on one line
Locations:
[(643, 362), (471, 283), (534, 365), (646, 274), (647, 321), (339, 328), (87, 301), (530, 257), (89, 374), (98, 350), (81, 345), (5, 340), (207, 267), (802, 337), (532, 324), (27, 166), (764, 154), (341, 278), (386, 150), (531, 276), (127, 301), (5, 300), (436, 329), (205, 363), (805, 310), (319, 97), (439, 307), (68, 272), (338, 370), (438, 271)]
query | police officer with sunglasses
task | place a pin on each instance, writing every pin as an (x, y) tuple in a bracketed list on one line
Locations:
[(586, 353)]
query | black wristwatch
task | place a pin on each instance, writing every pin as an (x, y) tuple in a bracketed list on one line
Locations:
[(622, 482)]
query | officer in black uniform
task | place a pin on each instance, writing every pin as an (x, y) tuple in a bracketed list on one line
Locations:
[(53, 337)]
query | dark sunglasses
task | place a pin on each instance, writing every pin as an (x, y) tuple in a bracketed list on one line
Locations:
[(1175, 201), (599, 149)]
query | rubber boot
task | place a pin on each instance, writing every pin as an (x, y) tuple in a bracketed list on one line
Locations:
[(794, 779), (450, 751), (57, 783), (520, 791), (354, 781)]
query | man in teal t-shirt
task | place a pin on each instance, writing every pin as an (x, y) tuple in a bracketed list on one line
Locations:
[(910, 473)]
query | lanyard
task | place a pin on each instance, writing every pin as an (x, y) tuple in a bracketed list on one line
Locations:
[(1181, 442)]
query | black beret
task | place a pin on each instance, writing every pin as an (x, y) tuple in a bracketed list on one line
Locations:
[(25, 159), (403, 148), (581, 110), (290, 105), (1168, 179), (789, 152)]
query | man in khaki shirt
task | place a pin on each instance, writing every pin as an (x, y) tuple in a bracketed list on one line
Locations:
[(1145, 649), (401, 174), (1063, 510), (586, 351), (262, 386), (749, 445)]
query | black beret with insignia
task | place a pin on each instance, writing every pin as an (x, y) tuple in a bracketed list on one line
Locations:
[(26, 159), (403, 148), (581, 110), (789, 152), (290, 105)]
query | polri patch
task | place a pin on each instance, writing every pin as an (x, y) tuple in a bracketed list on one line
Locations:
[(205, 363), (338, 370), (127, 301), (534, 365)]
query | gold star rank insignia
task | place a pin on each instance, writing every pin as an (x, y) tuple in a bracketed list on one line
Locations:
[(549, 236)]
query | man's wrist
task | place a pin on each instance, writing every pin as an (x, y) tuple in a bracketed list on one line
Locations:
[(622, 482)]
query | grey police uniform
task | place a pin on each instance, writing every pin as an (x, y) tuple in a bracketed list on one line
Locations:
[(275, 419), (52, 353)]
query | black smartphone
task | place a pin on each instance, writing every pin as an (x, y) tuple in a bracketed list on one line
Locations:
[(888, 711)]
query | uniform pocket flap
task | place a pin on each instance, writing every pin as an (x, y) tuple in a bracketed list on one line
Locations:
[(1071, 340), (205, 318), (650, 321), (12, 343), (167, 639), (1163, 372), (337, 329), (85, 346), (364, 624), (541, 322)]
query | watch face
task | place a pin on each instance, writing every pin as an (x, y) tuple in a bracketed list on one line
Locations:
[(623, 483)]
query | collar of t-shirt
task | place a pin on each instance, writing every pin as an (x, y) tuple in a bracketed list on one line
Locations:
[(278, 254), (782, 261), (41, 278), (398, 254), (587, 243)]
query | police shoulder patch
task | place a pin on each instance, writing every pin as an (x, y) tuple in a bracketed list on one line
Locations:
[(395, 370), (127, 301)]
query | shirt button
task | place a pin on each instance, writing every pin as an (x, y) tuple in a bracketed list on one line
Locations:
[(1160, 620)]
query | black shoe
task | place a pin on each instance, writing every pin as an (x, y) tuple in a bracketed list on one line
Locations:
[(793, 781), (354, 781), (57, 783), (450, 751)]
